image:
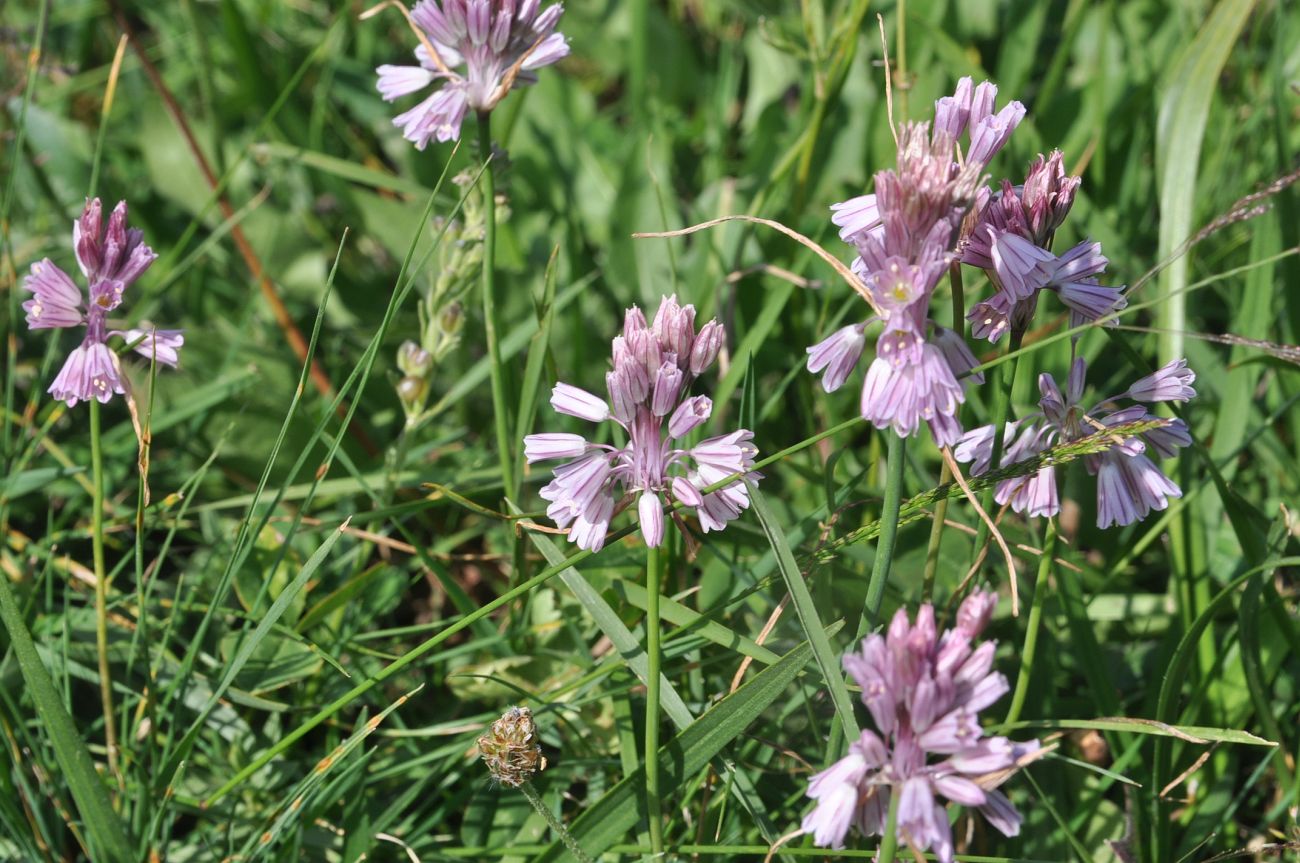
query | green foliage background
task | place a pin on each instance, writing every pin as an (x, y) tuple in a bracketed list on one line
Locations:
[(666, 114)]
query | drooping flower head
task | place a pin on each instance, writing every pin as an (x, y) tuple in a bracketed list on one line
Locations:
[(1010, 240), (110, 258), (476, 50), (906, 235), (1129, 485), (924, 692), (649, 385)]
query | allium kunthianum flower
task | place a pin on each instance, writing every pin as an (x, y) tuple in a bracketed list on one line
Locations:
[(906, 234), (649, 386), (924, 692), (475, 51), (110, 260), (510, 748), (1009, 240), (1129, 485)]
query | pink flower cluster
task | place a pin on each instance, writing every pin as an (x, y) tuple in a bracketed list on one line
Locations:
[(906, 235), (924, 691), (111, 258), (1129, 485), (500, 44), (654, 366)]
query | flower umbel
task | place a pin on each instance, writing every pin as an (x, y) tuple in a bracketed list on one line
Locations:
[(497, 43), (1010, 240), (1129, 485), (906, 235), (924, 692), (111, 259), (510, 748), (654, 366)]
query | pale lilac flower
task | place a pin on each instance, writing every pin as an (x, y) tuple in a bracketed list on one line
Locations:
[(1129, 485), (906, 234), (499, 43), (654, 366), (924, 692), (838, 355), (111, 259), (1171, 383), (1010, 239), (162, 345)]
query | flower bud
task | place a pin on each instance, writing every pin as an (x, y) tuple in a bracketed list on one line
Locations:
[(412, 391), (451, 319), (651, 515), (510, 749), (620, 396), (413, 360), (668, 387), (689, 415), (674, 327), (706, 347)]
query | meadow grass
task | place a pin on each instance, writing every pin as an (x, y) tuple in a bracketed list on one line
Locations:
[(274, 623)]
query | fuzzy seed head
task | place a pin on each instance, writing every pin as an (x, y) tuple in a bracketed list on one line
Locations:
[(510, 749)]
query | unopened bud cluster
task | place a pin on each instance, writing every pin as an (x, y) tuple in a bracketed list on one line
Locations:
[(441, 314), (510, 749)]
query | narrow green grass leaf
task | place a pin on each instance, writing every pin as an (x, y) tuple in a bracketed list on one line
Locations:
[(290, 809), (614, 629), (105, 830), (341, 168), (607, 820), (249, 645), (1190, 733), (679, 615), (806, 611)]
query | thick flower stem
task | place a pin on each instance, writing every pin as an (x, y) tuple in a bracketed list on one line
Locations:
[(1030, 648), (889, 841), (101, 588), (500, 413), (894, 458), (549, 817), (1001, 411), (945, 474), (653, 805)]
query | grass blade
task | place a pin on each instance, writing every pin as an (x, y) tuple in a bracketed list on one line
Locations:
[(608, 819), (807, 613), (106, 832)]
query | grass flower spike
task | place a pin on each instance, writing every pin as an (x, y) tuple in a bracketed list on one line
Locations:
[(925, 692), (497, 43), (654, 366), (110, 259), (1129, 485)]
